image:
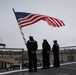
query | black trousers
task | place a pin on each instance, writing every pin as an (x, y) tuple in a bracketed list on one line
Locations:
[(46, 63), (56, 60), (32, 62)]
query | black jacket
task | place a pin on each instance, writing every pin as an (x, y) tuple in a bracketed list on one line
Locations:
[(32, 45)]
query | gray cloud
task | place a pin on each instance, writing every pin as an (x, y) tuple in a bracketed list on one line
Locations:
[(64, 10)]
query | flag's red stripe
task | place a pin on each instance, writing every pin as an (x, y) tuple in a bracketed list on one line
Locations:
[(30, 20), (25, 24), (30, 16), (54, 22), (59, 22), (49, 22)]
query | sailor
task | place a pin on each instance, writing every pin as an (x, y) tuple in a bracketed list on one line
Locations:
[(32, 47), (55, 50)]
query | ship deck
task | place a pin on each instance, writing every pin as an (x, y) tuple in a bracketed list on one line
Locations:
[(64, 69)]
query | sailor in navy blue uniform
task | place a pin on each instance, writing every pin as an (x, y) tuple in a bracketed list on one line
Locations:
[(32, 47), (55, 50), (46, 54)]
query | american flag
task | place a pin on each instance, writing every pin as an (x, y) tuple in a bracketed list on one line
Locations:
[(25, 19)]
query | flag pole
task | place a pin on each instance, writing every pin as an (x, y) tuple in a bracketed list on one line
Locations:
[(20, 28)]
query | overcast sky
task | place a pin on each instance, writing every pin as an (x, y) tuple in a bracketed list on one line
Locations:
[(61, 9)]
